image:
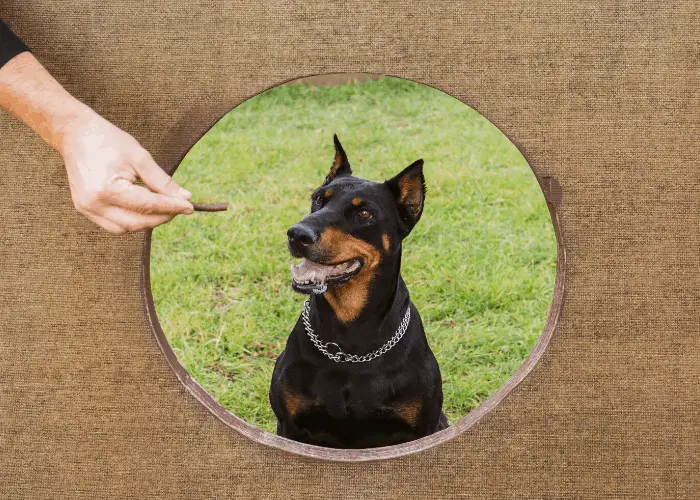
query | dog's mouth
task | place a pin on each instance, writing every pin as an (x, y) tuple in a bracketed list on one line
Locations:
[(309, 276)]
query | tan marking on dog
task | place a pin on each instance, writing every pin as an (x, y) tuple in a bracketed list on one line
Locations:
[(386, 242), (409, 411), (356, 202), (348, 300), (295, 403), (328, 193)]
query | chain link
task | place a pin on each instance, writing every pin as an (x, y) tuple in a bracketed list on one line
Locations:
[(343, 357)]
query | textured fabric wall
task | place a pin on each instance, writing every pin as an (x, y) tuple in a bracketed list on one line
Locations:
[(602, 97)]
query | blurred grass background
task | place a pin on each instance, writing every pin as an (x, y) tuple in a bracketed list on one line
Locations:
[(480, 265)]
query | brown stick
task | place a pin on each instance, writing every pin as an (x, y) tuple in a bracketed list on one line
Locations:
[(210, 207)]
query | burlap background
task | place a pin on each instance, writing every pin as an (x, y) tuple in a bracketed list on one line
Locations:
[(602, 97)]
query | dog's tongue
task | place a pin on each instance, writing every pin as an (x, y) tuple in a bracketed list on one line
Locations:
[(314, 272)]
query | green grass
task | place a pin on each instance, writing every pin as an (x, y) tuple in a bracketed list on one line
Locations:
[(480, 264)]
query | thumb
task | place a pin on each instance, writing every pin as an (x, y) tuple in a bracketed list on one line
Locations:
[(157, 180)]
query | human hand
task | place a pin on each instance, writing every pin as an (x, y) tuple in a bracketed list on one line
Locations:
[(103, 164)]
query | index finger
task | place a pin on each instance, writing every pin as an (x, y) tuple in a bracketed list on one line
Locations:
[(155, 178)]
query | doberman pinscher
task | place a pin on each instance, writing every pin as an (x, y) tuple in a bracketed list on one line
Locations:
[(357, 371)]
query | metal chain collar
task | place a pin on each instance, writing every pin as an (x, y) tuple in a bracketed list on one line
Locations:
[(343, 357)]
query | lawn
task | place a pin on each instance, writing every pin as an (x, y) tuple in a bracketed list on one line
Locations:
[(480, 264)]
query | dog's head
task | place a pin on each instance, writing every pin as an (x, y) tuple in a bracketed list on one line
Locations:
[(354, 225)]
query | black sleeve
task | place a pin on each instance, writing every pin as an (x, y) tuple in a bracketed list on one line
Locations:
[(10, 45)]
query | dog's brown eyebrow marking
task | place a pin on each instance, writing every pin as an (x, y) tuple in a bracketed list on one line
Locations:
[(385, 242), (328, 193), (356, 202)]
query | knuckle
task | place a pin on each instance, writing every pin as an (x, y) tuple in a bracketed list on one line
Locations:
[(90, 204), (95, 193), (83, 204), (144, 207), (102, 195), (167, 181)]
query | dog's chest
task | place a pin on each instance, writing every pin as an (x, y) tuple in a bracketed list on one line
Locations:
[(346, 394)]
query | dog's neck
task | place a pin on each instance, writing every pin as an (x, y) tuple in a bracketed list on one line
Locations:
[(376, 321)]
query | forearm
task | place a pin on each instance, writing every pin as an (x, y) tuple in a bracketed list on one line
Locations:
[(31, 94)]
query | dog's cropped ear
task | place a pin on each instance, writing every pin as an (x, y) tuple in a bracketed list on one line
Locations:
[(408, 189), (341, 165)]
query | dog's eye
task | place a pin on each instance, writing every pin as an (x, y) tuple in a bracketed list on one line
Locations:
[(318, 201), (364, 214)]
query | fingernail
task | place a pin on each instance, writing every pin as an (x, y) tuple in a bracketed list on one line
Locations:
[(188, 211), (185, 193)]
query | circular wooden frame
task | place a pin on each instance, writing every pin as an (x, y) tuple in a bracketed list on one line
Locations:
[(552, 194)]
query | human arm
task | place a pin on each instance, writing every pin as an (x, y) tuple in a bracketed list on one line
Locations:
[(103, 162)]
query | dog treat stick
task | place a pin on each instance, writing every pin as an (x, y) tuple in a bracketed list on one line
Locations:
[(210, 207)]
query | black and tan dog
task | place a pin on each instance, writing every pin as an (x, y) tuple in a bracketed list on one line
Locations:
[(351, 245)]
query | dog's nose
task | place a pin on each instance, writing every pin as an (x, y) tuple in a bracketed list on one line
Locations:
[(300, 236)]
